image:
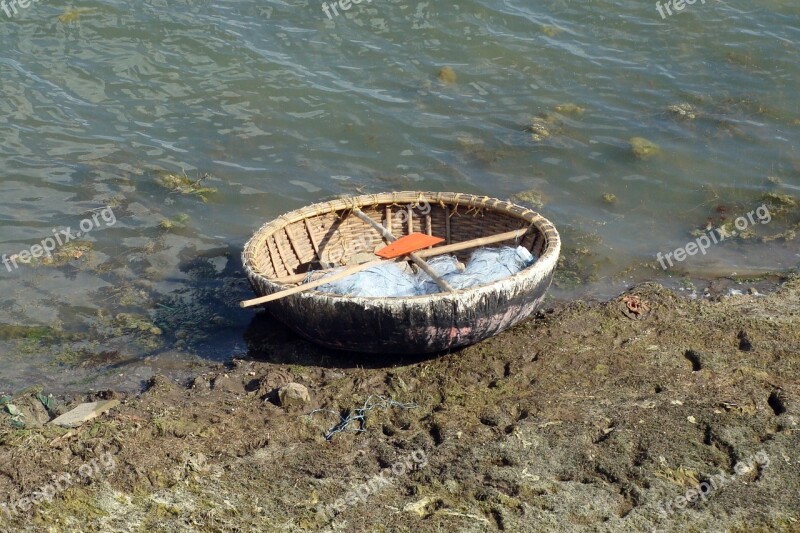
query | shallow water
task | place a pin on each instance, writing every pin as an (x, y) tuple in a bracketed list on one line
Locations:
[(275, 106)]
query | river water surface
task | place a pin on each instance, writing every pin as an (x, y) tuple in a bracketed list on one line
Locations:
[(176, 128)]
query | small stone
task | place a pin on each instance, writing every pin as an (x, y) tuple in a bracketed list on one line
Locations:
[(200, 383), (419, 508), (224, 382), (691, 419), (293, 395), (83, 413)]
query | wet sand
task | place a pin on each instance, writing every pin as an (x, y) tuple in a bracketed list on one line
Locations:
[(646, 412)]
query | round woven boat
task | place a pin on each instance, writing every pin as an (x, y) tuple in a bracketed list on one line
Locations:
[(326, 235)]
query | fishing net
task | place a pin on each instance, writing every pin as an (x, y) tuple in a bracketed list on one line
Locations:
[(444, 266), (491, 264), (387, 280), (485, 265)]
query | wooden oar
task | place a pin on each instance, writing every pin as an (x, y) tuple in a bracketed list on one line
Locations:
[(388, 237), (433, 252), (406, 244)]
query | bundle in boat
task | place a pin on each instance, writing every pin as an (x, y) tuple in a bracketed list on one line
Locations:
[(395, 280)]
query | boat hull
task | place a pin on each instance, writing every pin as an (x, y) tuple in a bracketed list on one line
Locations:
[(420, 324)]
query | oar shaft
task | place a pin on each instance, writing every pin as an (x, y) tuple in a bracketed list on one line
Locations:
[(433, 252), (473, 243), (312, 284)]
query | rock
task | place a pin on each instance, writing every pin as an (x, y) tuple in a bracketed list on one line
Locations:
[(200, 383), (160, 384), (84, 412), (269, 384), (293, 395), (225, 382), (421, 508)]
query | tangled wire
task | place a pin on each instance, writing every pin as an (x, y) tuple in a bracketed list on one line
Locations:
[(360, 414)]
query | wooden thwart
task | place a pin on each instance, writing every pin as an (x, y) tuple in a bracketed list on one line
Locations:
[(457, 247)]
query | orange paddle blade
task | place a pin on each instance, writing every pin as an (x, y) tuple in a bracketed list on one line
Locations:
[(406, 245)]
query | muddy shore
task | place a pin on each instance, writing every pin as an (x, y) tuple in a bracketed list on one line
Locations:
[(647, 412)]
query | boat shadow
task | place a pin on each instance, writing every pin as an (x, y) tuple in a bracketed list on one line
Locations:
[(269, 340), (206, 305)]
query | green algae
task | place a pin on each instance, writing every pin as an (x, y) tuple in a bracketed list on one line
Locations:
[(780, 204), (71, 251), (543, 126), (579, 262), (570, 109), (32, 333), (183, 184), (447, 75), (683, 110), (136, 323), (643, 148), (530, 197), (551, 31), (174, 223)]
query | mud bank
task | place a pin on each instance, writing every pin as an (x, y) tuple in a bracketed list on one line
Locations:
[(647, 412)]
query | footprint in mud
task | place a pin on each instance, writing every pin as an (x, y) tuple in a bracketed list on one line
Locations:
[(744, 341), (777, 401), (694, 358), (437, 434)]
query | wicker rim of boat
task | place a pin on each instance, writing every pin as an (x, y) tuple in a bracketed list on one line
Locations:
[(544, 241)]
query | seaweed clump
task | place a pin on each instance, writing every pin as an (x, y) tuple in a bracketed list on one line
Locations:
[(530, 197), (643, 148), (183, 184), (447, 75)]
